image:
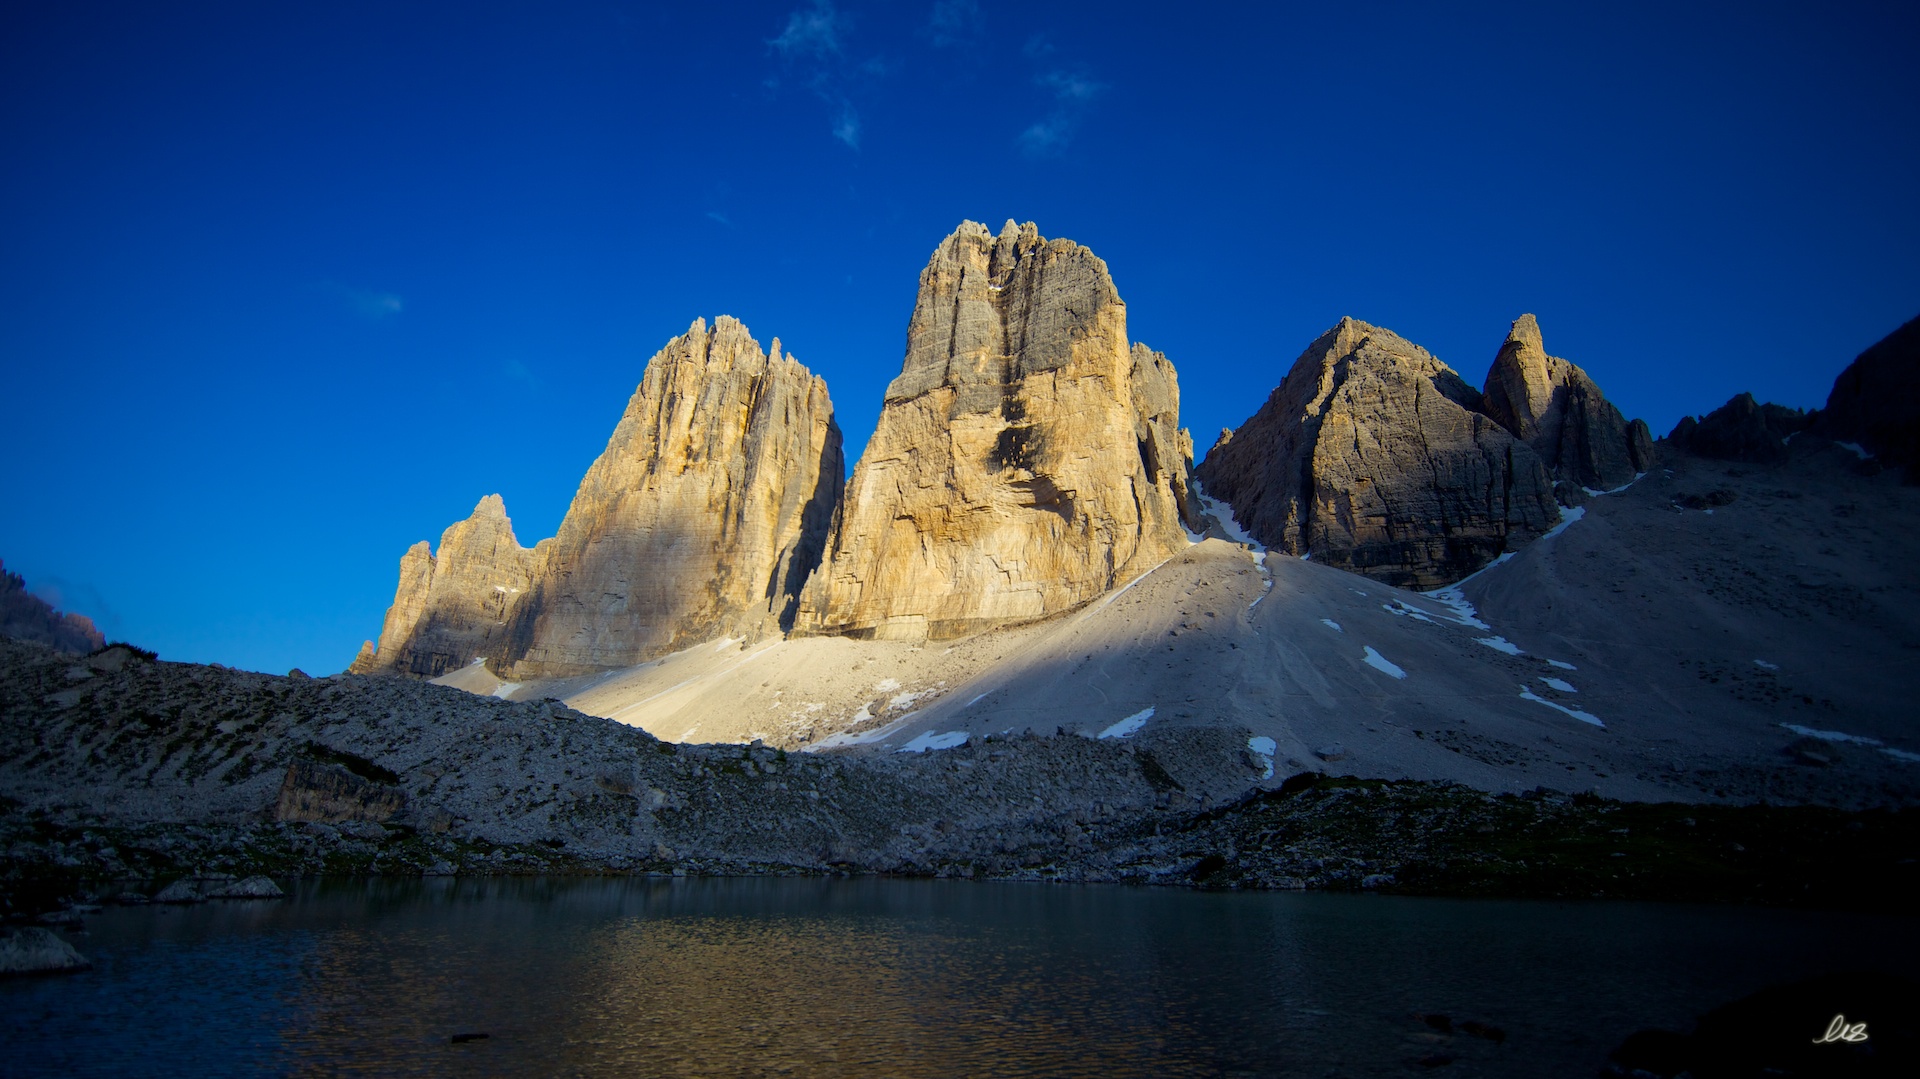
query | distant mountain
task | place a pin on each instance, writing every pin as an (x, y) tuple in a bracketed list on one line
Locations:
[(27, 617)]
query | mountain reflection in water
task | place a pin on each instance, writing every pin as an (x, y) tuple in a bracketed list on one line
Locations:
[(888, 977)]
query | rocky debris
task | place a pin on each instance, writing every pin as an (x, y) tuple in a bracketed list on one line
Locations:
[(313, 791), (1027, 458), (25, 616), (1741, 430), (1371, 456), (254, 887), (1558, 410), (33, 950), (701, 519), (452, 607), (1876, 401)]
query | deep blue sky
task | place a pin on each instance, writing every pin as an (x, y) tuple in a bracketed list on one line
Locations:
[(286, 287)]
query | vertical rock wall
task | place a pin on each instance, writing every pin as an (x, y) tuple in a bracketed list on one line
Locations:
[(1552, 404), (1026, 459)]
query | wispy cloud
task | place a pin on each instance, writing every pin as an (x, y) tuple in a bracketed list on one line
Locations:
[(367, 303), (813, 47), (814, 32), (1073, 93), (954, 22), (716, 215)]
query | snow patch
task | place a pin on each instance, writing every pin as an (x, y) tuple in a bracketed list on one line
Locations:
[(1381, 663), (1263, 747), (504, 689), (974, 701), (1331, 623), (1501, 644), (1591, 493), (901, 700), (886, 685), (1223, 514), (1567, 517), (1584, 717), (1763, 664), (1565, 666), (1404, 611), (1830, 736), (1128, 725), (1901, 755), (1456, 602), (929, 740), (1859, 450), (1560, 684)]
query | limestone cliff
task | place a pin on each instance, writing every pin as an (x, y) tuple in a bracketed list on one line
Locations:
[(1552, 404), (1372, 456), (702, 518), (1026, 459), (452, 607)]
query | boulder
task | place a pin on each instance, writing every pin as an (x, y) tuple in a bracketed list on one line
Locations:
[(181, 891), (251, 888), (1876, 401), (1741, 430), (1560, 412), (329, 793), (1372, 456), (1027, 459), (38, 951)]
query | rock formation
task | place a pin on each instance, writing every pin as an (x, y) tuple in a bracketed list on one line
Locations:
[(702, 518), (1026, 458), (1372, 456), (27, 617), (1741, 430), (1876, 400), (1552, 404), (452, 608)]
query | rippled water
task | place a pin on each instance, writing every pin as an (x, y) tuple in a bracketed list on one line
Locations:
[(884, 977)]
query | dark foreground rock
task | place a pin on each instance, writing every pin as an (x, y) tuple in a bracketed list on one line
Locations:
[(32, 950), (1854, 1023), (1876, 401)]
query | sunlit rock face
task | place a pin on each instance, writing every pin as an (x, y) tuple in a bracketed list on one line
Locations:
[(452, 607), (1026, 459), (702, 519), (1551, 403), (1373, 456)]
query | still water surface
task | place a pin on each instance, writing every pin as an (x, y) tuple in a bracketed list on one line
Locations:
[(872, 977)]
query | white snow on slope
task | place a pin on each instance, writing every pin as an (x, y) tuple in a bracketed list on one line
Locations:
[(1584, 717), (1561, 685), (1263, 747), (505, 689), (1831, 736), (1128, 725), (1381, 663), (1857, 448), (1567, 517), (1563, 665), (1901, 755), (929, 740), (1407, 611), (1335, 626), (1765, 666), (1500, 644)]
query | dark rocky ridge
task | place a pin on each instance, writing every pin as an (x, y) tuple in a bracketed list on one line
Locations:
[(1741, 430), (1374, 456), (1876, 400)]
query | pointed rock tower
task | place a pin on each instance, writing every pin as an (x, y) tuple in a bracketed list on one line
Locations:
[(1372, 456), (702, 519), (1562, 414), (452, 608), (1026, 460)]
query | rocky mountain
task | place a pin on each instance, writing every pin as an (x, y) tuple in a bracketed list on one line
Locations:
[(1559, 411), (452, 608), (1374, 456), (1876, 401), (1743, 429), (25, 616), (702, 519), (1027, 458)]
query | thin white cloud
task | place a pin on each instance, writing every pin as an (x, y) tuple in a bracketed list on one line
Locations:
[(954, 22), (814, 32), (716, 215), (1073, 93), (846, 127)]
